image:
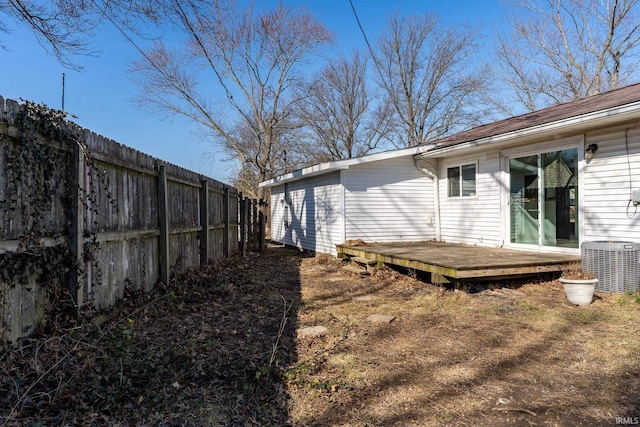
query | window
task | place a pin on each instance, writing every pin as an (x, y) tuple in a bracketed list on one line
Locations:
[(461, 181)]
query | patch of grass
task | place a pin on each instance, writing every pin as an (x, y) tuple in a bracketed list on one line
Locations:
[(348, 367), (629, 298), (299, 371), (585, 316), (444, 417), (528, 306), (304, 377)]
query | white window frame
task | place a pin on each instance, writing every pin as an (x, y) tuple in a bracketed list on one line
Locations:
[(459, 166)]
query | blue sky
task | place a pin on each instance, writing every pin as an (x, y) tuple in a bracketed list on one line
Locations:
[(101, 95)]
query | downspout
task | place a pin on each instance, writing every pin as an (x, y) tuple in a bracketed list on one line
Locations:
[(429, 167)]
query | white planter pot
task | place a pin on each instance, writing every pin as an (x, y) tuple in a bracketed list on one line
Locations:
[(579, 292)]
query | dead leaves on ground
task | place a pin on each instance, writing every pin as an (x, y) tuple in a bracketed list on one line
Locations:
[(200, 352)]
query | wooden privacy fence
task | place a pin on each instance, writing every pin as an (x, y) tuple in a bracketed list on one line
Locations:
[(84, 215)]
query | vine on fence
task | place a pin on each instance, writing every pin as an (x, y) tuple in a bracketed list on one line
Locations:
[(37, 197), (37, 167)]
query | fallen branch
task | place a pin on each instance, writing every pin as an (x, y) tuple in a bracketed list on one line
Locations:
[(515, 409), (283, 323)]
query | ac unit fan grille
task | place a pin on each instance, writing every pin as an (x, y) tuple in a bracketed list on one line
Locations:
[(615, 264)]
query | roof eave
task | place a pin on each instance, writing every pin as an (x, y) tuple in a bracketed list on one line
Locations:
[(609, 116), (320, 169), (338, 165)]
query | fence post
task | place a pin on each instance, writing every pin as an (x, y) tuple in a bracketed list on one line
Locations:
[(249, 224), (76, 233), (254, 224), (227, 220), (204, 222), (163, 213), (261, 226), (246, 220), (241, 223)]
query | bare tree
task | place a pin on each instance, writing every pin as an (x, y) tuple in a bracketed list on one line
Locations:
[(60, 27), (64, 27), (562, 50), (427, 74), (340, 114), (235, 76), (249, 154)]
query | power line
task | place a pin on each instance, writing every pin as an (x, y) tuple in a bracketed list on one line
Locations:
[(366, 40)]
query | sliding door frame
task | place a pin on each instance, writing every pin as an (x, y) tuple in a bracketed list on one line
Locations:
[(575, 142)]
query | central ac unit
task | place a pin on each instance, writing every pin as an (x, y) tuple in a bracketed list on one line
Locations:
[(615, 264)]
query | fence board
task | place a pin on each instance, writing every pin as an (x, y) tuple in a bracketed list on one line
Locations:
[(163, 211), (184, 251), (204, 221), (76, 228), (22, 309)]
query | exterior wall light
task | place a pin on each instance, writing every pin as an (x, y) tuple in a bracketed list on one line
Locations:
[(590, 152)]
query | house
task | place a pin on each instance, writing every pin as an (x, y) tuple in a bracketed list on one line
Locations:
[(381, 197), (545, 181)]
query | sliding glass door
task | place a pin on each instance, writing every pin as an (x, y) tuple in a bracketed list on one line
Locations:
[(544, 197)]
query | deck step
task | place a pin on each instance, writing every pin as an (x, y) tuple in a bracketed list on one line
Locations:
[(356, 270), (363, 260)]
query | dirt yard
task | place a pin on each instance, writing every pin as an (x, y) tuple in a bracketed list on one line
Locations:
[(220, 347)]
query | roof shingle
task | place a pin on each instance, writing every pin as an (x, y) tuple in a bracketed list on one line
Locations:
[(602, 101)]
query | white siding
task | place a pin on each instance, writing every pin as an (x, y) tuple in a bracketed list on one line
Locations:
[(277, 212), (603, 196), (388, 201), (472, 220), (312, 217), (608, 179)]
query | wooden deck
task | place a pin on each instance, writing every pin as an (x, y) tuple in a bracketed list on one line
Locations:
[(456, 263)]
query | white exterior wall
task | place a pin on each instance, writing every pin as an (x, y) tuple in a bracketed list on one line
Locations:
[(388, 201), (472, 220), (309, 216), (604, 193), (277, 222), (608, 179)]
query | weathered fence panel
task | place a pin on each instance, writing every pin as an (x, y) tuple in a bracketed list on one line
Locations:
[(80, 211), (184, 229), (233, 226), (216, 218)]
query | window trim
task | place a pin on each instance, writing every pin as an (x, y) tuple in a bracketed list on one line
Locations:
[(459, 166)]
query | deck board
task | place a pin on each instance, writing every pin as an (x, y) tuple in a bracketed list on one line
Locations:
[(460, 261)]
